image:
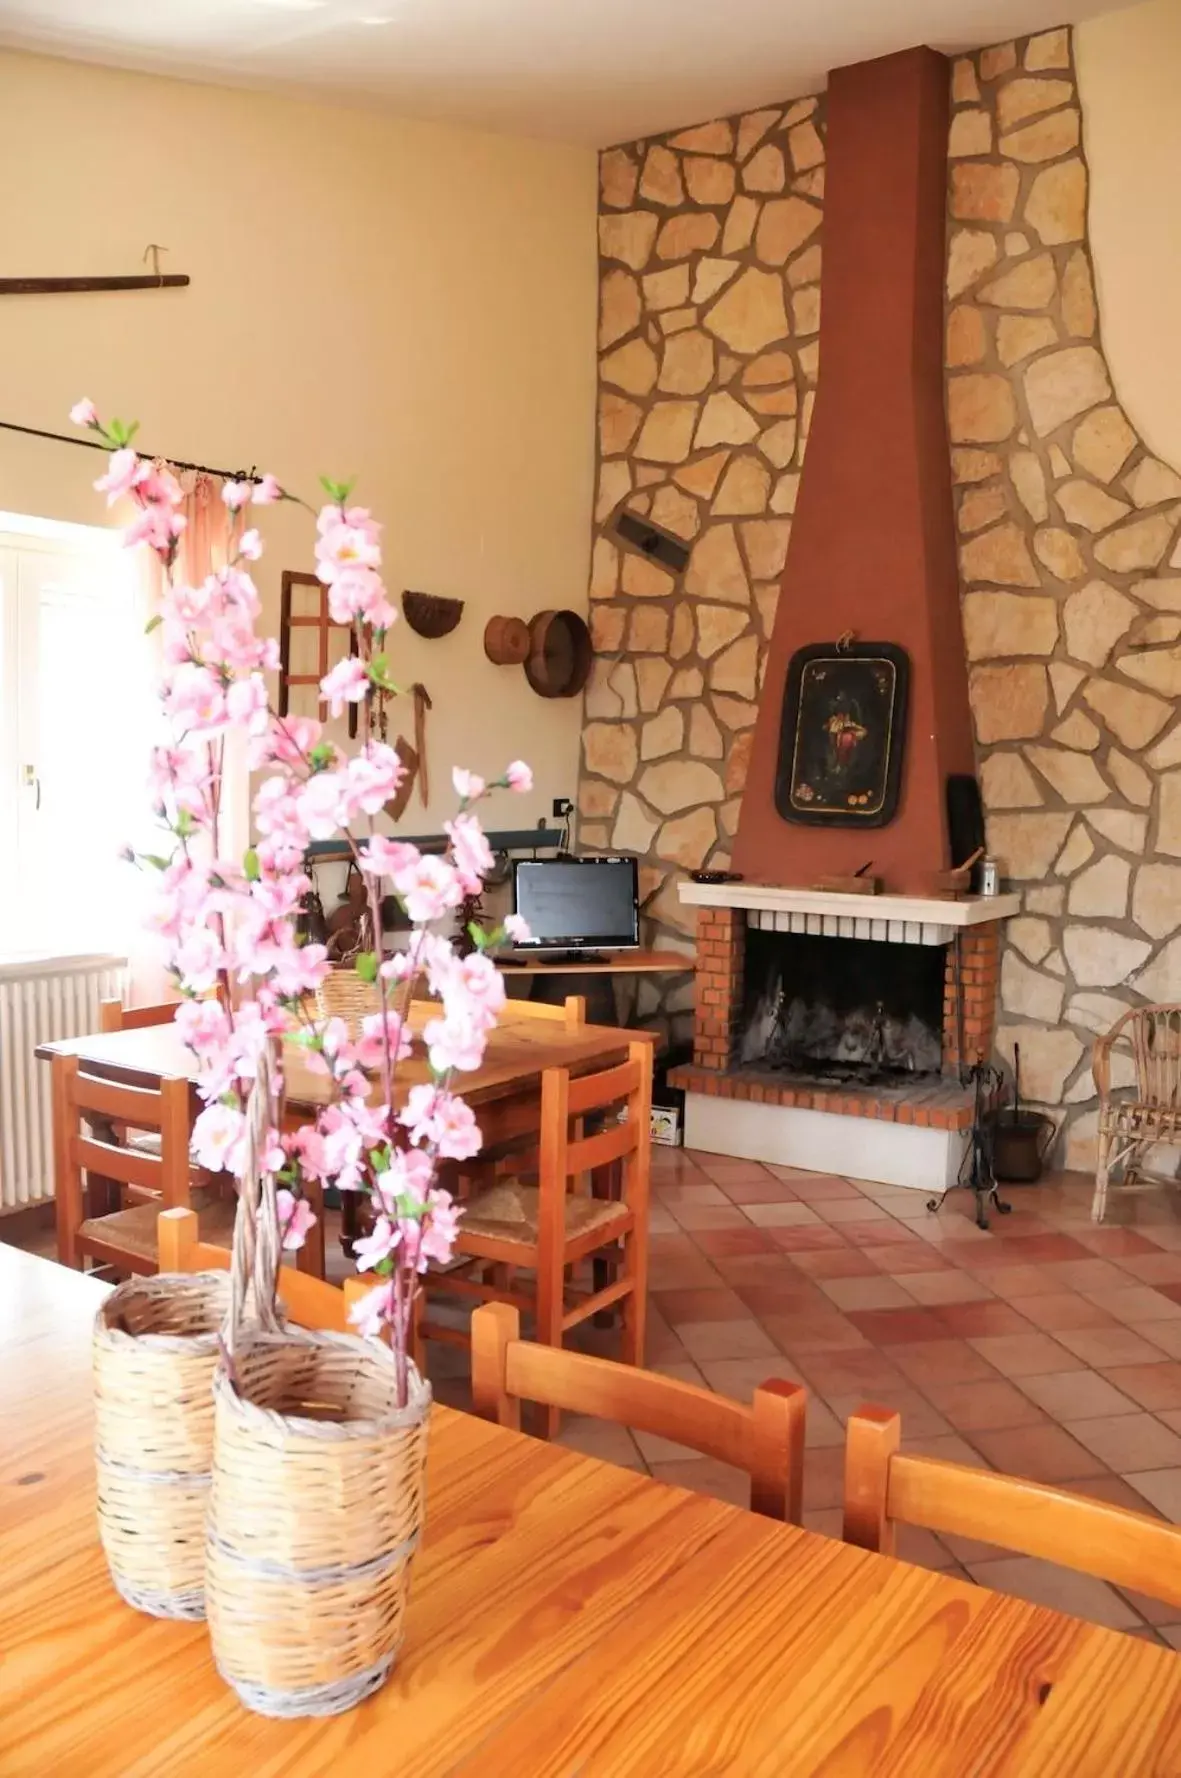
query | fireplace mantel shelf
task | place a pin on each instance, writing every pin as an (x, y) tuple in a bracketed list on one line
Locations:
[(975, 910)]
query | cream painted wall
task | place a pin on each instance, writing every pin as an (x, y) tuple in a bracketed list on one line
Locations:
[(1129, 68), (409, 303)]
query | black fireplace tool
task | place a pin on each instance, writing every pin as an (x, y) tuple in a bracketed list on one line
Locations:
[(976, 1169)]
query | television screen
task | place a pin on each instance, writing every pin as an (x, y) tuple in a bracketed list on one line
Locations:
[(573, 903)]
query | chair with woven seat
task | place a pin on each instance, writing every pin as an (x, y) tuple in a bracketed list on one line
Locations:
[(766, 1439), (547, 1228), (885, 1486), (1146, 1110)]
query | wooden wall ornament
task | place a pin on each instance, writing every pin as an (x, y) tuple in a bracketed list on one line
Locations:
[(430, 616), (319, 620), (559, 660), (506, 641), (843, 733)]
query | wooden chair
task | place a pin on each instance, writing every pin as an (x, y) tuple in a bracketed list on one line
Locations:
[(114, 1016), (547, 1228), (884, 1486), (94, 1169), (1150, 1112), (309, 1301), (570, 1012), (766, 1438)]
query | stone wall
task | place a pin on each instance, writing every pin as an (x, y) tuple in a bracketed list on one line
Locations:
[(1070, 548), (709, 312)]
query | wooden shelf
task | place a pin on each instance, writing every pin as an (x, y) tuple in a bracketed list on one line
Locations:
[(613, 963)]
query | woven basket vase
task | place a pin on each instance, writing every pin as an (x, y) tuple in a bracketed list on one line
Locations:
[(155, 1349), (317, 1496)]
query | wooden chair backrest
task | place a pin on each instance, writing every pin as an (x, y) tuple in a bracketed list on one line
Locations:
[(308, 1301), (114, 1016), (765, 1439), (570, 1012), (79, 1098), (884, 1486), (1153, 1034), (565, 1097)]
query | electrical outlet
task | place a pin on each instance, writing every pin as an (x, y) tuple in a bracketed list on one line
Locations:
[(562, 807)]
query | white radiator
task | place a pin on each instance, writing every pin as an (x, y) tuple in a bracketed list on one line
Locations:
[(41, 998)]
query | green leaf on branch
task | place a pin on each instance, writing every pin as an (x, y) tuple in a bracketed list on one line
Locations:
[(365, 964), (321, 756), (250, 865), (337, 491), (153, 623), (477, 935)]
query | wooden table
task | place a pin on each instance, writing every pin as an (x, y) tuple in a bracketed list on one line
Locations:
[(566, 1618), (527, 963)]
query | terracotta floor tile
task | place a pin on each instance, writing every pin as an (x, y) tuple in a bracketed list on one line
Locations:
[(1016, 1282), (813, 1239), (824, 1478), (824, 1188), (1103, 1347), (853, 1209), (1136, 1305), (935, 1289), (976, 1407), (1024, 1354), (678, 1306), (708, 1216), (919, 1418), (1156, 1387), (740, 1377), (770, 1267), (836, 1262), (792, 1215), (707, 1341), (1164, 1335), (1042, 1583), (731, 1242), (798, 1335), (942, 1361), (1040, 1453), (791, 1295), (1153, 1267), (947, 1447), (872, 1231), (760, 1191), (1128, 1442), (1161, 1488), (864, 1371), (823, 1430), (877, 1292), (1077, 1395), (1114, 1243), (1165, 1235), (1065, 1310), (900, 1258), (892, 1327), (697, 1191), (1088, 1275), (702, 1475), (600, 1438), (1115, 1490), (975, 1320)]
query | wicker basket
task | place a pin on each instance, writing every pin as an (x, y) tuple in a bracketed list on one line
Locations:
[(155, 1349), (315, 1513), (317, 1494)]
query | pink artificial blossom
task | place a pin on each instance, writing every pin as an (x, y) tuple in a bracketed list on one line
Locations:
[(429, 888), (382, 857), (296, 1219), (266, 491), (371, 1249), (84, 413), (237, 494), (519, 777), (124, 470), (219, 1139), (470, 851), (250, 545), (516, 927), (468, 785), (346, 683), (371, 1313), (455, 1042)]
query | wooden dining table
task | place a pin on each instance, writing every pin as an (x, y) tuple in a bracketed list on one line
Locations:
[(567, 1619)]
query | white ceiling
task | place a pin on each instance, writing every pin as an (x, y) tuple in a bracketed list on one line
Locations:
[(592, 71)]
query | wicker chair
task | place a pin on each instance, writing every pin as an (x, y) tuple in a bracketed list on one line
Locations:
[(1148, 1112)]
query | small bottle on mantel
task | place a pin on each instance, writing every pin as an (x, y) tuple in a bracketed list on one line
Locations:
[(990, 877)]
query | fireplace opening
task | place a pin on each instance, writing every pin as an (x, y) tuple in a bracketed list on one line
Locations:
[(842, 1010)]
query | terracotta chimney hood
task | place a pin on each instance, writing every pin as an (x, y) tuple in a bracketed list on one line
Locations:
[(873, 546)]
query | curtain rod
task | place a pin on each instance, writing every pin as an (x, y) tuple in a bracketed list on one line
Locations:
[(92, 444)]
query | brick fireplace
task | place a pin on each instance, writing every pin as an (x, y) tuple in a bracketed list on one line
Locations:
[(887, 1122)]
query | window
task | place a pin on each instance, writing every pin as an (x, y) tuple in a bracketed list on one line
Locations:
[(76, 708)]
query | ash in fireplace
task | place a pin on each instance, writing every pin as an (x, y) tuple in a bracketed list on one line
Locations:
[(833, 1036)]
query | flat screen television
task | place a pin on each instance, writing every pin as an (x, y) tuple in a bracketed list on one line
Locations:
[(578, 904)]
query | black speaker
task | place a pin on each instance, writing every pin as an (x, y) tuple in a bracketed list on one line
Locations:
[(965, 822)]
